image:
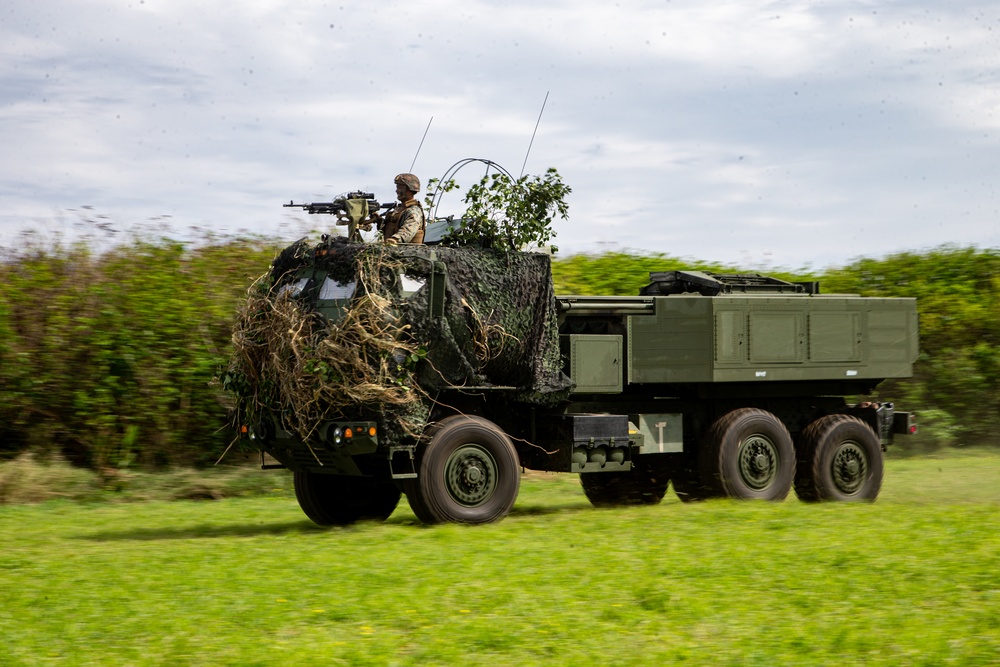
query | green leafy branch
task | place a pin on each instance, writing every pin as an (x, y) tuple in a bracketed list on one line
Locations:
[(506, 214)]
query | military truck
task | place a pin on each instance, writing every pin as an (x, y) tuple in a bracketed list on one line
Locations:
[(725, 385)]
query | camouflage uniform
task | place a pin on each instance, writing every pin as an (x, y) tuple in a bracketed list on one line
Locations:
[(405, 223)]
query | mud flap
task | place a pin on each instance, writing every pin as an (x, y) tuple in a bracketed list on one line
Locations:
[(402, 463)]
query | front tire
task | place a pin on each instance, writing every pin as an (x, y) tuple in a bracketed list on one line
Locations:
[(339, 500), (469, 473), (748, 454), (840, 459)]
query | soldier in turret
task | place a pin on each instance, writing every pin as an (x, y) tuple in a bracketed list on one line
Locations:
[(406, 222)]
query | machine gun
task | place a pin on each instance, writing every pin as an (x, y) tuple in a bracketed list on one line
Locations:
[(351, 209)]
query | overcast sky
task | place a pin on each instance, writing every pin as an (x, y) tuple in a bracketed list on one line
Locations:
[(754, 133)]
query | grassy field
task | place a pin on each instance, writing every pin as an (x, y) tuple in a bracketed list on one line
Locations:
[(913, 579)]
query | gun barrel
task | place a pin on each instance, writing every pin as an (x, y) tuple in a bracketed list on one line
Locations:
[(337, 206), (330, 207)]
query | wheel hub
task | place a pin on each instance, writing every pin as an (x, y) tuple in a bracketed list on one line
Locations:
[(471, 475), (758, 460), (850, 467)]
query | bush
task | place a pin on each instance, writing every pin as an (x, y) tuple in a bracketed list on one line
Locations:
[(107, 359)]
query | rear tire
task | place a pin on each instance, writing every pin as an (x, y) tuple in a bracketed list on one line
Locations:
[(645, 484), (469, 473), (840, 459), (339, 500), (748, 454)]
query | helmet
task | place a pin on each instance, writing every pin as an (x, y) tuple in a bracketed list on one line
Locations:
[(410, 181)]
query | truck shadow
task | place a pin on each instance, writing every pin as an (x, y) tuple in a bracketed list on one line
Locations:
[(204, 531), (290, 527), (543, 510)]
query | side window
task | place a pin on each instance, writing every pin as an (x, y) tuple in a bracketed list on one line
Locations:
[(294, 290), (410, 285), (331, 289)]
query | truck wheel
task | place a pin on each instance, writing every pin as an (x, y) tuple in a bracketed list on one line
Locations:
[(338, 500), (645, 484), (469, 473), (748, 454), (841, 459), (411, 487)]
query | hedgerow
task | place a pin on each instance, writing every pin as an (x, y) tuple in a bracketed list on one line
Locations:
[(108, 358)]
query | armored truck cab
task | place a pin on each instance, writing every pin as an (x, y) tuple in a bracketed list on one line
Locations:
[(724, 385)]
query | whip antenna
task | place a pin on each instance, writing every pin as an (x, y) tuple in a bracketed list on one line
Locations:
[(422, 143), (533, 134)]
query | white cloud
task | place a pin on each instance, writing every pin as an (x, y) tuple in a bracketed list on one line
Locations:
[(763, 123)]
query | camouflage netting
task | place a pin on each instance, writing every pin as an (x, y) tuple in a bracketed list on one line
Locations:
[(387, 359)]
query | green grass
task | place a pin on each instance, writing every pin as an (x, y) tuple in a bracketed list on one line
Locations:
[(913, 579)]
